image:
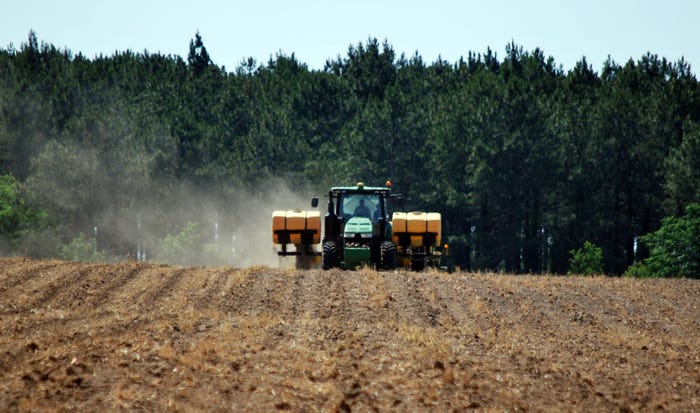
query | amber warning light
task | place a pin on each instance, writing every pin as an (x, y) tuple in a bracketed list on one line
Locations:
[(388, 184)]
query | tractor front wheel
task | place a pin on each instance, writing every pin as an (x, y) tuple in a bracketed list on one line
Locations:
[(330, 255), (388, 255)]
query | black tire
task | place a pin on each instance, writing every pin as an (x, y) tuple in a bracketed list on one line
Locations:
[(330, 255), (388, 255), (417, 264)]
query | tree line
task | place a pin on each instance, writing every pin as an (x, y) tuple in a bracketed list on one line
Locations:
[(525, 161)]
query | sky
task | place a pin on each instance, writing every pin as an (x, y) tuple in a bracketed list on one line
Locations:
[(316, 31)]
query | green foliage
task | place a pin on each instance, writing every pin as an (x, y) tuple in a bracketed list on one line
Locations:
[(18, 220), (674, 248), (81, 248), (683, 168), (182, 248), (13, 214), (587, 260)]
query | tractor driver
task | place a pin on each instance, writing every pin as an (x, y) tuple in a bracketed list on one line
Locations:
[(362, 210)]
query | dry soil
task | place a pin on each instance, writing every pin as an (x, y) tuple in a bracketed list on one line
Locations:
[(106, 337)]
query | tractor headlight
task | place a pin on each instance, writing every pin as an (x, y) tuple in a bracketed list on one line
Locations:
[(364, 235)]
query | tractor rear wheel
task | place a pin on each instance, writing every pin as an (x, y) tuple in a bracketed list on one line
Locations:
[(330, 255), (388, 255)]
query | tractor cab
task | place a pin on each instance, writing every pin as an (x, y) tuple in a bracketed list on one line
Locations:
[(356, 224)]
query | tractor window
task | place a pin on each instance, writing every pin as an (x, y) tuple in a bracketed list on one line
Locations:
[(361, 205)]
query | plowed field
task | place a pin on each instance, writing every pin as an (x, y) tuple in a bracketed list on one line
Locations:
[(96, 337)]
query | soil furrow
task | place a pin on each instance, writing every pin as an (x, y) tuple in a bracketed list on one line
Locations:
[(11, 279), (149, 299), (406, 302), (213, 293), (61, 284), (107, 285)]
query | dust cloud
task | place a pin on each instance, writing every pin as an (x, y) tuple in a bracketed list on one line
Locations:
[(252, 224), (232, 227), (124, 213)]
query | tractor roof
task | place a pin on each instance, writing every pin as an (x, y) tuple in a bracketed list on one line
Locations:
[(361, 188)]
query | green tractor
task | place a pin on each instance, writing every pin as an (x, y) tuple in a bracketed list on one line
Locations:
[(357, 231), (357, 228)]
